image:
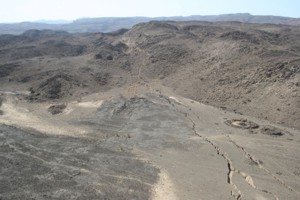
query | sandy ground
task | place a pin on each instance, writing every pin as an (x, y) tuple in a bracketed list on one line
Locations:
[(164, 189), (197, 154)]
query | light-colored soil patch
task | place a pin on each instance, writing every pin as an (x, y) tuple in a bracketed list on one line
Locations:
[(18, 116), (164, 189)]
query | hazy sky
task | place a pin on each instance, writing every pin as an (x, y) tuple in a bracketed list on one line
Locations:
[(30, 10)]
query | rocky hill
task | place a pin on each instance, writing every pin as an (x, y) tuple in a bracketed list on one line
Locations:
[(252, 69), (163, 111)]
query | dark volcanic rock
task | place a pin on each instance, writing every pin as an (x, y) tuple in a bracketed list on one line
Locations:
[(38, 166), (240, 35), (56, 87), (98, 56), (56, 109), (6, 69), (109, 57), (272, 131), (102, 78), (142, 119)]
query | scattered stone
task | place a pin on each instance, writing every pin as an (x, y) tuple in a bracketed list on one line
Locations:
[(98, 56), (102, 78), (241, 123), (56, 109), (109, 57), (251, 131), (272, 131)]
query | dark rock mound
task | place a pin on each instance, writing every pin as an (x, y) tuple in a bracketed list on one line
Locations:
[(98, 56), (122, 107), (272, 131), (104, 55), (170, 54), (57, 109), (141, 120), (110, 51), (24, 79), (273, 38), (102, 78), (109, 57), (7, 69), (165, 60), (119, 47), (125, 107), (144, 41), (282, 70), (239, 35), (56, 87)]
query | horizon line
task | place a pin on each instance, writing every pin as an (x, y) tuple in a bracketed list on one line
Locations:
[(67, 21)]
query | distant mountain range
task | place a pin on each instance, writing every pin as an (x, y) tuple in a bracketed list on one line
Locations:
[(108, 24)]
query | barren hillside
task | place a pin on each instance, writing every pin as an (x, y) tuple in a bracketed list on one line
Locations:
[(163, 111), (247, 68)]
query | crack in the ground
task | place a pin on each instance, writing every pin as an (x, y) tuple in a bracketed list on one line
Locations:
[(258, 163), (235, 192), (231, 170)]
